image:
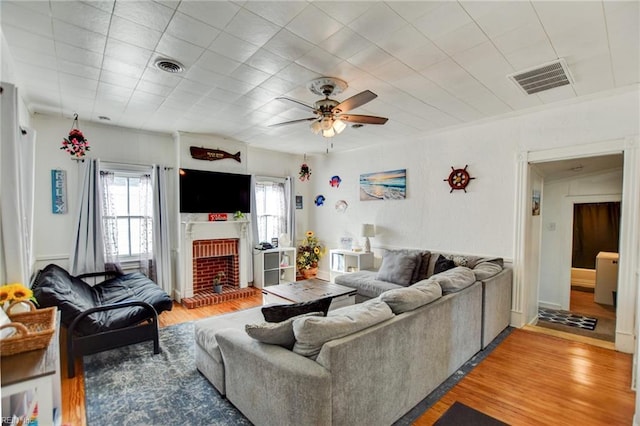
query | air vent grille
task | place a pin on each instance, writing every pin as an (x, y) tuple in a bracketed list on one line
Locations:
[(545, 77), (169, 65)]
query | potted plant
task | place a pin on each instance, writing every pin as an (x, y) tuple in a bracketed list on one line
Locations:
[(309, 253), (217, 282)]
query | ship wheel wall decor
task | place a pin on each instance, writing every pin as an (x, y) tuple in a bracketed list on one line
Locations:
[(459, 179)]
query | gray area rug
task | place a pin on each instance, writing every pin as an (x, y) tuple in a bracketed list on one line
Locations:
[(131, 386)]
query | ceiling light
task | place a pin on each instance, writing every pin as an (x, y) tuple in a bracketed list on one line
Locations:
[(169, 65), (328, 126), (339, 126)]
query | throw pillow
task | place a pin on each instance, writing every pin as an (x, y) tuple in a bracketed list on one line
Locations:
[(455, 279), (407, 299), (443, 264), (397, 267), (278, 313), (487, 269), (313, 332), (276, 333)]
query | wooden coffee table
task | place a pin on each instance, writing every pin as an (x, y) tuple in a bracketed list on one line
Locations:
[(308, 290)]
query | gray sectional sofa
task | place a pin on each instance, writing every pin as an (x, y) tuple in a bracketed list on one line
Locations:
[(366, 364)]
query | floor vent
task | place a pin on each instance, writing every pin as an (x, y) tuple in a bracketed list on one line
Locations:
[(544, 77)]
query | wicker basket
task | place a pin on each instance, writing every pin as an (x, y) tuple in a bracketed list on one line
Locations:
[(33, 331)]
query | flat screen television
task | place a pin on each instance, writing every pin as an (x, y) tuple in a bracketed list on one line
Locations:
[(214, 192)]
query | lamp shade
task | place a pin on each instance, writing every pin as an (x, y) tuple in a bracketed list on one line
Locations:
[(368, 230)]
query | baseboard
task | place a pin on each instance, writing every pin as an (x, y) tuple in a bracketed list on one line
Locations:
[(549, 305)]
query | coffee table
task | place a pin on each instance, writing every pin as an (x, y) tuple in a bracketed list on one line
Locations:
[(308, 290)]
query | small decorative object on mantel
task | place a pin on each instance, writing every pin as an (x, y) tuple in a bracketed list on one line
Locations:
[(238, 215), (75, 144), (458, 179), (208, 154), (309, 253), (217, 217), (305, 170)]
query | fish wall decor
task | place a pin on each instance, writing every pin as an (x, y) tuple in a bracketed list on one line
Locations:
[(200, 153)]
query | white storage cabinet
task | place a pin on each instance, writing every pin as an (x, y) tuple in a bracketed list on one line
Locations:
[(347, 261), (274, 266)]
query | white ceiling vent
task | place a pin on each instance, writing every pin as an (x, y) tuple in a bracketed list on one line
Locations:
[(169, 65), (543, 77)]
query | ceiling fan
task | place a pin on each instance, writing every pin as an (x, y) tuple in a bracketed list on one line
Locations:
[(330, 115)]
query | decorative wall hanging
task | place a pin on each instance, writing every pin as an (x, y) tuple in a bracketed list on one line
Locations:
[(335, 181), (389, 185), (208, 154), (58, 191), (75, 144), (319, 201), (341, 206), (299, 202), (458, 179)]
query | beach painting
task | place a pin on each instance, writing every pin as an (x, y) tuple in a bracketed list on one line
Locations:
[(389, 185)]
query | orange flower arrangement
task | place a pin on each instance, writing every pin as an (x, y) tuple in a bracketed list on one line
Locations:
[(15, 292)]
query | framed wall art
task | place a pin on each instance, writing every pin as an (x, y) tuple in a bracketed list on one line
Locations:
[(389, 185)]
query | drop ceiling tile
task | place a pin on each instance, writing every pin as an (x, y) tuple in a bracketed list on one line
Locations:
[(392, 70), (36, 59), (581, 43), (14, 14), (153, 88), (624, 32), (346, 71), (345, 43), (184, 99), (288, 45), (174, 48), (460, 39), (370, 57), (486, 102), (215, 13), (412, 10), (142, 98), (104, 5), (557, 94), (128, 53), (531, 56), (232, 47), (344, 12), (267, 62), (126, 69), (113, 93), (314, 25), (483, 60), (154, 75), (73, 81), (203, 76), (39, 74), (193, 87), (260, 31), (453, 78), (78, 55), (191, 30), (78, 69), (236, 86), (592, 75), (250, 75), (146, 13), (218, 63), (377, 23), (398, 45), (442, 20), (496, 18), (81, 15), (558, 17), (22, 38), (278, 12), (318, 60), (422, 56), (118, 79), (132, 33), (274, 86), (78, 37), (520, 38)]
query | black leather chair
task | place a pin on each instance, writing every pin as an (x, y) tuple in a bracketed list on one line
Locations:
[(117, 312)]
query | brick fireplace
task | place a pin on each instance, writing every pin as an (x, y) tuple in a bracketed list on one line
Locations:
[(207, 248)]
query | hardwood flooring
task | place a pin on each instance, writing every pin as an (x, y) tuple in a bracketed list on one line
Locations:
[(529, 379), (582, 302)]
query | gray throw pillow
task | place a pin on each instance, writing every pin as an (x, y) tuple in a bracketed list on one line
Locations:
[(313, 332), (484, 270), (277, 333), (407, 299), (455, 279), (397, 267)]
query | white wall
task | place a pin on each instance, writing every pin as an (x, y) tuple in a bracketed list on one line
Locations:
[(480, 221), (557, 230)]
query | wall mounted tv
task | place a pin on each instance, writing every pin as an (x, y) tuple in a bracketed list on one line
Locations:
[(214, 192)]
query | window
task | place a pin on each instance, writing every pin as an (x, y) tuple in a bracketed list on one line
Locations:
[(271, 210), (127, 215)]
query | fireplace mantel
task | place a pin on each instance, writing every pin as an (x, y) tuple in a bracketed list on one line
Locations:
[(191, 231)]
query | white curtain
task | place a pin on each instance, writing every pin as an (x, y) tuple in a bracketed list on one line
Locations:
[(87, 252), (145, 209), (253, 240), (109, 219), (17, 177), (161, 229), (290, 205)]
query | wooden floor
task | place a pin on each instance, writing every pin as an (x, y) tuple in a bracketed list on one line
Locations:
[(530, 378), (582, 302)]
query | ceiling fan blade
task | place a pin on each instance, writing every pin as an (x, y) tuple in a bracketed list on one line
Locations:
[(284, 123), (296, 103), (363, 119), (356, 100)]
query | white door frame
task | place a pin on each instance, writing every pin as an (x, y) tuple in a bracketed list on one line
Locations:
[(524, 310)]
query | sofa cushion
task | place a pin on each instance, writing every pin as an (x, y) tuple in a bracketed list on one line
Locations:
[(366, 283), (398, 266), (407, 299), (443, 264), (454, 279), (422, 264), (277, 333), (278, 313), (313, 332), (488, 268)]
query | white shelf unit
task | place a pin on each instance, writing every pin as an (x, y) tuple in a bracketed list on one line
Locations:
[(347, 261), (274, 266)]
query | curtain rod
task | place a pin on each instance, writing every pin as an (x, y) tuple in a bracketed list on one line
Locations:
[(115, 163)]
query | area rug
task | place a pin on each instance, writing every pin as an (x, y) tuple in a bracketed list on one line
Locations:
[(459, 414), (131, 386), (567, 318)]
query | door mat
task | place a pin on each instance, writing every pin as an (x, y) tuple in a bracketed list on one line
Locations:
[(567, 318), (460, 414)]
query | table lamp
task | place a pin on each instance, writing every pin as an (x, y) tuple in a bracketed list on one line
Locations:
[(368, 230)]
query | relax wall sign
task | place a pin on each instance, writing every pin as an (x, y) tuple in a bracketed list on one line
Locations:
[(58, 191)]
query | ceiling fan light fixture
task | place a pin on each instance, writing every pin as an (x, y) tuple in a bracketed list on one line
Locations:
[(339, 126), (316, 127), (329, 133), (326, 123)]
